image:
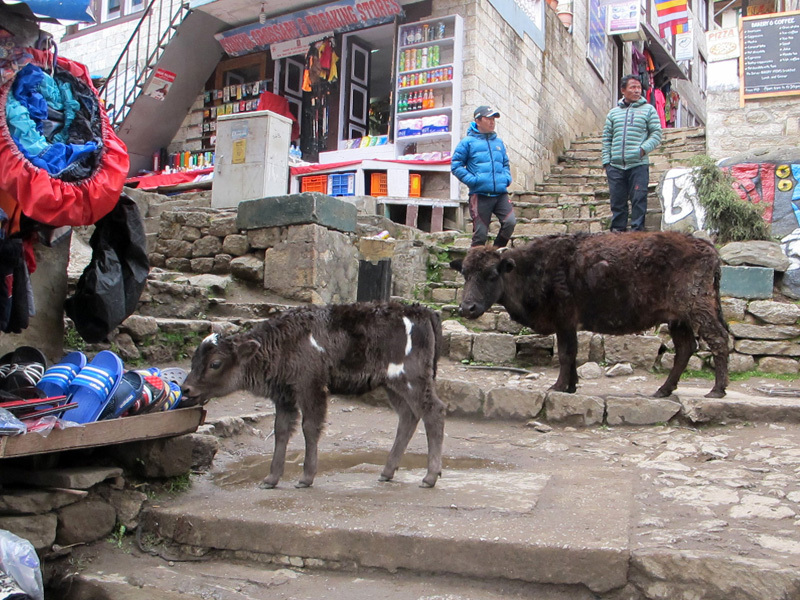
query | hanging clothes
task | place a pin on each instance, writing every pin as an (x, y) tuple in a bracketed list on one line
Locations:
[(87, 188)]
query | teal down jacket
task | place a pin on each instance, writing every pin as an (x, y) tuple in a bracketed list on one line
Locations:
[(627, 130), (481, 163)]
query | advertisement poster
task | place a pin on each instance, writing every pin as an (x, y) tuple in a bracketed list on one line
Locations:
[(622, 17), (159, 85), (596, 46), (722, 44), (684, 46)]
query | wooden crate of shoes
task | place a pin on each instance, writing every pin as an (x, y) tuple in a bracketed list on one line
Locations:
[(77, 401)]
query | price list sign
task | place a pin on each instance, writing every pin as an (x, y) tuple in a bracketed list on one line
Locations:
[(770, 60)]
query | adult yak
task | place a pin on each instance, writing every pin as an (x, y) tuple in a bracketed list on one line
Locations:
[(615, 283)]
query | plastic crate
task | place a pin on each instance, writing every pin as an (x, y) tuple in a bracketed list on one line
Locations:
[(414, 185), (314, 183), (342, 184), (377, 185)]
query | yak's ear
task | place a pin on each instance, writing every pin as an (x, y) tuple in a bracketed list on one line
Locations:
[(506, 265), (246, 350), (456, 264)]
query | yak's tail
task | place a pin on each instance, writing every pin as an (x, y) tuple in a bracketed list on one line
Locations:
[(436, 324)]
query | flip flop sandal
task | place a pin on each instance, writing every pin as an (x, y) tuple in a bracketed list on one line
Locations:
[(57, 378), (175, 396), (154, 392), (22, 367), (94, 386), (174, 374), (128, 393)]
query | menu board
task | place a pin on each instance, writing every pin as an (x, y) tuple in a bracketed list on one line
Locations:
[(771, 55)]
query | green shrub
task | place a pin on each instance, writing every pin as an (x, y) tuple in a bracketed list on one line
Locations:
[(733, 219)]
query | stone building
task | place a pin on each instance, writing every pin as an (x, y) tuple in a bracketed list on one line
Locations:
[(552, 76)]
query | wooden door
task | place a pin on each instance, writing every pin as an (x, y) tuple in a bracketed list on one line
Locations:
[(356, 90)]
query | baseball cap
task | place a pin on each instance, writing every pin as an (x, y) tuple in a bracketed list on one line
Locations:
[(486, 111)]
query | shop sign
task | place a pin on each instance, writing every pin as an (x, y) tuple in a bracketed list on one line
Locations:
[(684, 46), (159, 85), (338, 17), (622, 17), (722, 44), (596, 51), (296, 46)]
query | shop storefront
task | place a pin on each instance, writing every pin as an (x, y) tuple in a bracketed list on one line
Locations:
[(375, 103)]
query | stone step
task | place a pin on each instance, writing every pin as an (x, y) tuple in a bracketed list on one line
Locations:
[(549, 536)]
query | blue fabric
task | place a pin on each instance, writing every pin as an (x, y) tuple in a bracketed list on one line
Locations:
[(34, 95), (480, 161), (796, 175)]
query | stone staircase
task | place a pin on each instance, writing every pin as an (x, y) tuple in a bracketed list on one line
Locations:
[(574, 196)]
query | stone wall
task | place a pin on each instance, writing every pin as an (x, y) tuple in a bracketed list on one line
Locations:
[(300, 263), (733, 129), (545, 98)]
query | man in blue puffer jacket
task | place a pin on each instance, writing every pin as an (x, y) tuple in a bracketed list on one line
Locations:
[(632, 131), (481, 163)]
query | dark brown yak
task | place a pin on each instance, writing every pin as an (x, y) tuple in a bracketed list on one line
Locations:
[(615, 283), (300, 356)]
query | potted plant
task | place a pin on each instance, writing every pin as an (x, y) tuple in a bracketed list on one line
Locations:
[(564, 11)]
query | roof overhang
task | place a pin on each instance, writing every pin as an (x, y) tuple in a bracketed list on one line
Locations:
[(667, 65)]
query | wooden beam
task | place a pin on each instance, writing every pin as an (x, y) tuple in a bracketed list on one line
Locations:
[(104, 433)]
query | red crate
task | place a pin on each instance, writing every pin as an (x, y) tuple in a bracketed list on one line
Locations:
[(314, 183)]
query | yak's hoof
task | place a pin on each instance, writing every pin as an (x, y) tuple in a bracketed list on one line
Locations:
[(662, 393), (716, 394), (302, 484), (429, 481), (384, 478), (560, 388), (267, 485)]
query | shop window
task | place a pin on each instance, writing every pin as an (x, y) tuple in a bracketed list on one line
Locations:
[(700, 9), (106, 11), (702, 81)]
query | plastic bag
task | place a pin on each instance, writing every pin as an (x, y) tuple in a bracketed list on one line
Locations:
[(9, 424), (19, 559), (108, 290)]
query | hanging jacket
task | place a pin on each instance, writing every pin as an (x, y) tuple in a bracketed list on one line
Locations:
[(629, 129), (481, 163)]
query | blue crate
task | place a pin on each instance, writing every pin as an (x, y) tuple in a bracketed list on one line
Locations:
[(342, 184)]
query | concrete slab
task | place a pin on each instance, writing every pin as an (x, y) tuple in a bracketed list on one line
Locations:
[(480, 522), (738, 407)]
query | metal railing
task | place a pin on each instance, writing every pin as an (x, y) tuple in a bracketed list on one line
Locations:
[(159, 22)]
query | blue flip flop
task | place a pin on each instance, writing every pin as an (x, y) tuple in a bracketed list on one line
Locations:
[(94, 387), (130, 389), (56, 379)]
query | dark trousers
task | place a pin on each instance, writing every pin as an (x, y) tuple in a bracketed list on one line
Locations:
[(481, 209), (628, 185)]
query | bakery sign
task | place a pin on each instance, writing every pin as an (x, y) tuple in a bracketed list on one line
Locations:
[(722, 44), (338, 17)]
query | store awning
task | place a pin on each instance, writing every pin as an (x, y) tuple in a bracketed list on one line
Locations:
[(667, 65)]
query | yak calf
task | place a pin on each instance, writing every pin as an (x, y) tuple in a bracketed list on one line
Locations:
[(300, 356), (616, 283)]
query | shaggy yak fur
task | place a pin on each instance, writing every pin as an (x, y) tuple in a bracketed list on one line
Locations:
[(300, 356), (615, 283)]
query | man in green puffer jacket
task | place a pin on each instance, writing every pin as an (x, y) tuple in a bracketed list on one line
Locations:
[(632, 131)]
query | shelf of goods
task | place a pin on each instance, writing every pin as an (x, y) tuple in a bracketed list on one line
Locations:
[(428, 87), (231, 99)]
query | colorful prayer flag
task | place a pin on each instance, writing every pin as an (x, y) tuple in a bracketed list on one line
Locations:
[(672, 15)]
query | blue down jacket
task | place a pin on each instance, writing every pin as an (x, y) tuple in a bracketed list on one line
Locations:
[(481, 163)]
